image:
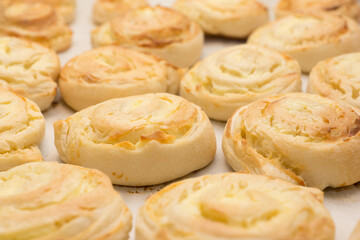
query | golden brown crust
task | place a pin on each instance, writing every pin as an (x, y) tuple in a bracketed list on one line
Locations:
[(337, 78), (350, 8), (158, 30), (232, 18), (112, 72), (106, 10), (56, 201), (138, 140), (310, 37), (237, 76), (37, 22), (234, 206), (303, 138)]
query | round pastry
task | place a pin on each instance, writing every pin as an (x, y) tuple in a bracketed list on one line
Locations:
[(50, 201), (138, 140), (29, 69), (111, 72), (303, 138), (230, 18), (38, 22), (105, 10), (22, 128), (237, 76), (350, 8), (355, 235), (66, 8), (157, 30), (337, 78), (234, 206), (311, 37)]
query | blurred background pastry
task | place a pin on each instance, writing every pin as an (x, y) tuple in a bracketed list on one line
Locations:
[(236, 76), (113, 72), (59, 201), (140, 140), (303, 138), (157, 30), (234, 206)]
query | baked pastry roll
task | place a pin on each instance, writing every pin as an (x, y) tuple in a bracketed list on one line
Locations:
[(337, 78), (234, 206), (138, 140), (66, 8), (355, 235), (303, 138), (38, 22), (29, 69), (105, 10), (230, 18), (50, 201), (22, 128), (350, 8), (237, 76), (157, 30), (310, 37), (112, 72)]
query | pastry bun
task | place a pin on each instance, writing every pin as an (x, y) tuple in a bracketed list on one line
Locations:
[(138, 140), (337, 78), (350, 8), (157, 30), (50, 201), (38, 22), (303, 138), (22, 127), (112, 72), (310, 37), (234, 206), (105, 10), (29, 69), (236, 76), (230, 18)]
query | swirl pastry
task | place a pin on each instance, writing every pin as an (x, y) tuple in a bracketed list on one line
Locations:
[(50, 201), (303, 138), (22, 128), (311, 37), (138, 140), (29, 69), (37, 22), (230, 18), (337, 78), (111, 72), (105, 10), (66, 8), (350, 8), (237, 76), (157, 30), (234, 206)]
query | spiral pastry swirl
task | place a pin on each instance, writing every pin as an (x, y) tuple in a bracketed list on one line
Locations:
[(66, 8), (350, 8), (231, 18), (157, 30), (57, 201), (29, 69), (234, 206), (303, 138), (22, 128), (139, 140), (111, 72), (237, 76), (337, 78), (38, 22), (310, 37), (105, 10)]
